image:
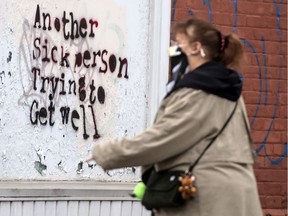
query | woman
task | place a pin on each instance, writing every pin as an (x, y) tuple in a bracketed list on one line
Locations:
[(199, 102)]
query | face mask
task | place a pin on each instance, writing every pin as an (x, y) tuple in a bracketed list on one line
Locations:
[(174, 50)]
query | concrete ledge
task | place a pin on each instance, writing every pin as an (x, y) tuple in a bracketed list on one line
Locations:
[(70, 190)]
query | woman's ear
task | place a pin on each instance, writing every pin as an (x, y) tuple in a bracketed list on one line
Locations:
[(195, 48)]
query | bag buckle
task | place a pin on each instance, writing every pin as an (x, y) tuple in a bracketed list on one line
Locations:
[(187, 188)]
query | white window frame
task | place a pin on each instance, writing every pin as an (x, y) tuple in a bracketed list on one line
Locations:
[(158, 74)]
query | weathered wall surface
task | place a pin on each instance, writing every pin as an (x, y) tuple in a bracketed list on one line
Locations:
[(262, 26), (72, 73)]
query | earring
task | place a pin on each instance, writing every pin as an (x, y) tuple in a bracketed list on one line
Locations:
[(202, 53)]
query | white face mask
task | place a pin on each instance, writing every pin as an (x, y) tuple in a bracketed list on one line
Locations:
[(174, 50)]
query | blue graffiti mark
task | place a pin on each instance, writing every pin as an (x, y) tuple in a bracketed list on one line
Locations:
[(278, 14), (248, 44), (235, 15), (191, 13), (278, 9), (263, 144), (209, 9), (265, 69), (173, 10), (281, 158)]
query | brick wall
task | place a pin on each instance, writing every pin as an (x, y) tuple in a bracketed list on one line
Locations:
[(262, 27)]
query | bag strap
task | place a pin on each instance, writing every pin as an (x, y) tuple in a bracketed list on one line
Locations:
[(207, 147)]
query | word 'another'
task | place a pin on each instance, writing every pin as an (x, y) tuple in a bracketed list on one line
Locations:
[(72, 28)]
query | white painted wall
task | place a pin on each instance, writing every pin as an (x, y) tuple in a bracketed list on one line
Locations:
[(124, 30)]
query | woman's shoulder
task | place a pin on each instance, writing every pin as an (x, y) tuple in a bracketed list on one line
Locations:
[(191, 95), (185, 93)]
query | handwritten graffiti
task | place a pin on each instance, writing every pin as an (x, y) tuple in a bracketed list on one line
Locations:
[(262, 69), (9, 57), (58, 70), (2, 74)]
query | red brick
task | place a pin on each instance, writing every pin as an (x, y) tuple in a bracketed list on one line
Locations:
[(224, 29), (251, 97), (271, 99), (258, 136), (252, 60), (280, 124), (271, 175), (277, 202), (253, 1), (283, 99), (281, 165), (223, 6), (267, 149), (271, 47), (251, 111), (180, 4), (257, 33), (260, 162), (181, 15), (249, 71), (262, 111), (201, 14), (284, 137), (274, 137), (284, 4), (196, 5), (262, 124), (279, 149), (256, 45), (251, 85), (275, 212), (271, 60), (273, 85), (269, 189), (277, 1), (276, 60), (266, 22), (227, 19), (252, 71), (284, 186), (254, 8), (283, 111)]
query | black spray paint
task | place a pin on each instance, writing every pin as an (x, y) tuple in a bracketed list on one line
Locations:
[(9, 57), (70, 27)]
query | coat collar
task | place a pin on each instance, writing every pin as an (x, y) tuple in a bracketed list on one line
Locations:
[(212, 77)]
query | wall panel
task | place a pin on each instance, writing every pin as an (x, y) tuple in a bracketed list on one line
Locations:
[(73, 208)]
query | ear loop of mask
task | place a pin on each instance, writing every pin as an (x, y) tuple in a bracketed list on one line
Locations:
[(175, 50), (193, 53), (202, 53)]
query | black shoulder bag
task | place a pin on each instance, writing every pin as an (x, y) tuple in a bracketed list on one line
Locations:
[(166, 189)]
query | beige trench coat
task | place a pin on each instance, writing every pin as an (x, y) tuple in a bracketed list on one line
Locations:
[(185, 123)]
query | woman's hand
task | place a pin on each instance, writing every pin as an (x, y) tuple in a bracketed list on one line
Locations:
[(89, 159)]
